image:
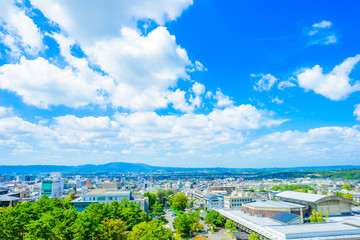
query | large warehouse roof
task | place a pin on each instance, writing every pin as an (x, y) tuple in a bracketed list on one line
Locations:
[(273, 204), (306, 197)]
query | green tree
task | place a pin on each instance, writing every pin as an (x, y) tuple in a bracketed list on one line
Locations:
[(253, 236), (229, 225), (158, 212), (161, 196), (152, 230), (346, 187), (152, 199), (318, 216), (112, 229), (183, 223), (180, 201), (70, 197), (214, 217)]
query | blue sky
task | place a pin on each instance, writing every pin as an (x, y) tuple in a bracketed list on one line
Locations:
[(185, 83)]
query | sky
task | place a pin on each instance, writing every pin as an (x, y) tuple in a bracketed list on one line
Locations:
[(180, 83)]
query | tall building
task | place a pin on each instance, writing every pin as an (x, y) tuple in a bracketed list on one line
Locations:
[(52, 188)]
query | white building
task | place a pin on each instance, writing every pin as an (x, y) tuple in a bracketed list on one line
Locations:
[(235, 202), (107, 196), (212, 202)]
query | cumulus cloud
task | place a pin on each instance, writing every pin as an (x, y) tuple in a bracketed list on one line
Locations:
[(320, 146), (357, 111), (19, 31), (147, 130), (90, 21), (265, 82), (42, 84), (335, 85), (222, 100)]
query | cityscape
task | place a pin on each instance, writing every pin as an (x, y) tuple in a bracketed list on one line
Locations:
[(179, 120)]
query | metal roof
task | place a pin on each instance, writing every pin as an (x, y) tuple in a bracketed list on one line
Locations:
[(273, 204), (7, 198), (306, 197), (285, 217)]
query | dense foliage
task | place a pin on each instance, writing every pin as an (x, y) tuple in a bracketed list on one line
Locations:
[(297, 188), (57, 219), (253, 236), (180, 201), (214, 218)]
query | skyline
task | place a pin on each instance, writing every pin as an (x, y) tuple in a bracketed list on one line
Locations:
[(179, 83)]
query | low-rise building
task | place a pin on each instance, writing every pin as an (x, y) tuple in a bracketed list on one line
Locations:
[(107, 196), (235, 202), (213, 201)]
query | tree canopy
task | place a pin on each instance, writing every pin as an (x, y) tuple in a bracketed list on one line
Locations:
[(180, 201)]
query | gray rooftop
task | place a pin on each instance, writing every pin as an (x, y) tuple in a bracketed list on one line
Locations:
[(306, 197), (7, 198), (273, 204)]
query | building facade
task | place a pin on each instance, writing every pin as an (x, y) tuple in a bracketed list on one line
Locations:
[(107, 196), (235, 202), (52, 188)]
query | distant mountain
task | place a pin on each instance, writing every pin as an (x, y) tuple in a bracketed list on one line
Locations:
[(118, 167)]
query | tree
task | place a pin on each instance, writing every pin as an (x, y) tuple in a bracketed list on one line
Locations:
[(183, 223), (70, 197), (158, 212), (214, 217), (253, 236), (196, 227), (346, 187), (161, 196), (112, 229), (152, 199), (318, 216), (180, 201), (229, 225), (152, 230)]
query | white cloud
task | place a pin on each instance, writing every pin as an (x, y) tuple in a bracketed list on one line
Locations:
[(19, 30), (335, 85), (265, 82), (198, 88), (5, 111), (222, 100), (322, 24), (357, 111), (318, 146), (90, 21), (154, 61), (147, 131), (178, 100), (320, 33), (285, 84), (42, 84), (277, 100)]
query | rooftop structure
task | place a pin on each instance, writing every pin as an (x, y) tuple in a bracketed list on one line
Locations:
[(332, 204), (268, 228)]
